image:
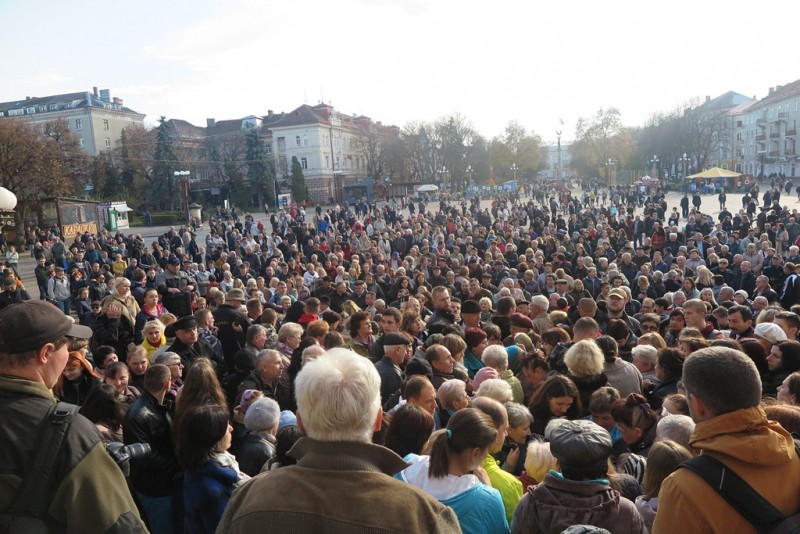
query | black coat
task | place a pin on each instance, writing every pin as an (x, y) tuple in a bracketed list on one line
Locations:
[(254, 452), (149, 422)]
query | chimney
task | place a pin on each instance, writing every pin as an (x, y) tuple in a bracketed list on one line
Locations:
[(117, 101), (94, 90), (708, 98), (210, 122), (771, 90), (105, 95), (269, 113)]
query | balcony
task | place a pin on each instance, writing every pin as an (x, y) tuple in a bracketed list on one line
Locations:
[(761, 137), (761, 121), (783, 116), (774, 135), (789, 152), (774, 153), (791, 132)]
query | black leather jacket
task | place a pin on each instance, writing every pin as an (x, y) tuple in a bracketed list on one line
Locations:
[(149, 422)]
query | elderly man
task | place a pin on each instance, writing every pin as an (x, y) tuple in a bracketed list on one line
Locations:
[(268, 378), (397, 348), (723, 390), (538, 308), (88, 492), (338, 397)]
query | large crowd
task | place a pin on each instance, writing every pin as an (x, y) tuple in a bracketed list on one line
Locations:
[(567, 357)]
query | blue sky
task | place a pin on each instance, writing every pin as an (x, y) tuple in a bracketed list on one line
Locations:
[(398, 61)]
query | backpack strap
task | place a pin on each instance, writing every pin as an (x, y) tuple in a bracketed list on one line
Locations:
[(754, 508), (34, 496)]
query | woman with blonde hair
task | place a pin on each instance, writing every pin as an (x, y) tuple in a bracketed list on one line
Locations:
[(153, 333), (704, 278), (122, 294)]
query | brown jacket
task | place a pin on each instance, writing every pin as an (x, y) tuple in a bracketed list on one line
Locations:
[(557, 504), (758, 450), (336, 487)]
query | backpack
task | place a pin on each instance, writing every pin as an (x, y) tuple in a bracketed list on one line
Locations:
[(742, 497), (26, 515)]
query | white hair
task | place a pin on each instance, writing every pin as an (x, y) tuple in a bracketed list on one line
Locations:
[(451, 391), (541, 302), (584, 358), (338, 397), (495, 356), (676, 427), (312, 353), (646, 353), (497, 389)]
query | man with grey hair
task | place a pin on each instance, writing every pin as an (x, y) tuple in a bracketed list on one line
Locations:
[(538, 307), (675, 427), (723, 390), (338, 398), (268, 377)]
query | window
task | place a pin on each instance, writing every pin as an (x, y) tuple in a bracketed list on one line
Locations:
[(269, 149), (305, 139), (327, 161), (42, 109), (81, 140), (304, 163), (78, 125), (297, 141), (53, 107), (105, 124), (108, 142), (31, 110)]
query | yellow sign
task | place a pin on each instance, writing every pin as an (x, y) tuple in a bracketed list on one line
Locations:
[(71, 230)]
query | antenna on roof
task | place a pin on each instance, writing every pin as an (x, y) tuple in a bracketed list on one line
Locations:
[(305, 97)]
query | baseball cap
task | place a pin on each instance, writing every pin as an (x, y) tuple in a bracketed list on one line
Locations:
[(771, 332), (28, 325), (617, 292)]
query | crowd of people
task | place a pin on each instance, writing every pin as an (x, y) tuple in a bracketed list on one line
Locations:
[(537, 364)]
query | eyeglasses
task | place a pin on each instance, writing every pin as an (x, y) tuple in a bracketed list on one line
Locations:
[(179, 364), (649, 328)]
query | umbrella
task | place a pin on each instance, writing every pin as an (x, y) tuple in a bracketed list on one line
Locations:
[(715, 172), (427, 188)]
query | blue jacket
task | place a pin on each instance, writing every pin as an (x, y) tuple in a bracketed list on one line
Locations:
[(206, 491), (479, 510)]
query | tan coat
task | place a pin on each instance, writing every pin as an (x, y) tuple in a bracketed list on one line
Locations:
[(758, 450)]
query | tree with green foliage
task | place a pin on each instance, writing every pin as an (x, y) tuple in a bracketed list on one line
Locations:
[(164, 191), (299, 187), (260, 170)]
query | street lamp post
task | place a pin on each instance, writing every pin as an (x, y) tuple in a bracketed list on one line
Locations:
[(685, 163), (514, 169), (183, 178), (444, 179), (610, 163), (468, 172)]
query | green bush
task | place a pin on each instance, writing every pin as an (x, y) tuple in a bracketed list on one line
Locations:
[(162, 218)]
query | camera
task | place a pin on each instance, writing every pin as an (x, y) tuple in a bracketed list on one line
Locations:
[(123, 454)]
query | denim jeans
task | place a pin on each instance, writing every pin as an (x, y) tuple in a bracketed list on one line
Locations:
[(63, 305)]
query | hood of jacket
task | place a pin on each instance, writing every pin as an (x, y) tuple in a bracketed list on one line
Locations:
[(747, 436)]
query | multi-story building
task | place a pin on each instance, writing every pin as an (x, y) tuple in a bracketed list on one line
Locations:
[(329, 146), (94, 115), (770, 133), (713, 123), (332, 149)]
